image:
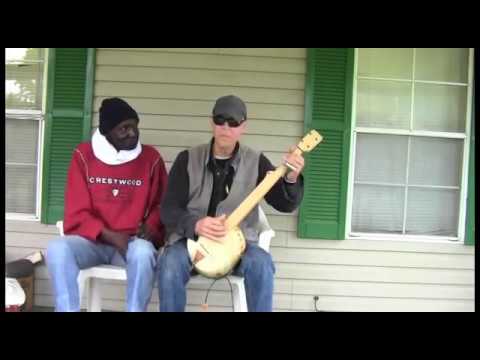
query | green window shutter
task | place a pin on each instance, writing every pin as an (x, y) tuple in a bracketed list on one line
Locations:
[(470, 227), (328, 107), (70, 78)]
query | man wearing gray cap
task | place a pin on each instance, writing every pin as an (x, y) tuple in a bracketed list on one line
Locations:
[(206, 183)]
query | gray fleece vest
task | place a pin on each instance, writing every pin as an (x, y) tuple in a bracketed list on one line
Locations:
[(245, 165)]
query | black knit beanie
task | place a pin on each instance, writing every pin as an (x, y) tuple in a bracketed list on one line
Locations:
[(112, 112)]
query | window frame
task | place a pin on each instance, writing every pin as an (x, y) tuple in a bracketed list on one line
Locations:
[(466, 136), (36, 115)]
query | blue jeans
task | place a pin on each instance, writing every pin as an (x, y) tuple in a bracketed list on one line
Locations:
[(67, 255), (174, 271)]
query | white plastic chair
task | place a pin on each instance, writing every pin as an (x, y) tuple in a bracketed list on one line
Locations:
[(90, 280)]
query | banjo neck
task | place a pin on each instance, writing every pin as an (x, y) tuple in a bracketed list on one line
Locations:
[(241, 212), (312, 139)]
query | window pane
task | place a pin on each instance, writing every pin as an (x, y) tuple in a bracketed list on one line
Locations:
[(381, 158), (435, 161), (20, 189), (23, 93), (449, 65), (378, 209), (23, 54), (385, 63), (432, 212), (439, 81), (21, 140), (23, 86), (440, 107), (383, 104)]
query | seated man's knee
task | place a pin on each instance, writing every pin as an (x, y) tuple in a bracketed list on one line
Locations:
[(172, 261), (259, 259), (140, 250), (57, 249)]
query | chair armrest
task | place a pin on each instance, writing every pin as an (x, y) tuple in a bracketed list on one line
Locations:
[(265, 231), (265, 238), (59, 226)]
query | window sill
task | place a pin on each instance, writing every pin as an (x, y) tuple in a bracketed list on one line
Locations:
[(404, 238), (21, 217)]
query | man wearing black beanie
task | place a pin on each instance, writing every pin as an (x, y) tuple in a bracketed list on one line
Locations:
[(112, 112), (112, 213)]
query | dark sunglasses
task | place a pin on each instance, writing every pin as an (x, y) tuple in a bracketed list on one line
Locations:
[(231, 122)]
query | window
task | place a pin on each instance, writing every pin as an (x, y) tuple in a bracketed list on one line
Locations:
[(411, 142), (24, 112)]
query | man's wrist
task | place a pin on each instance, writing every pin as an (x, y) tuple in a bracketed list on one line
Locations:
[(289, 179)]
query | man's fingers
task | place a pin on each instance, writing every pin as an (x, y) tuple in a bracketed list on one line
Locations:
[(217, 226), (291, 166), (213, 228), (294, 162), (219, 220), (213, 236), (217, 232)]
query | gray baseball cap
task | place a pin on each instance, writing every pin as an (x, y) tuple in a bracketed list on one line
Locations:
[(230, 107)]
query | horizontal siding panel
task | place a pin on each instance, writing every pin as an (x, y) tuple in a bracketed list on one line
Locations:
[(174, 138), (204, 108), (283, 222), (374, 274), (169, 153), (372, 304), (201, 61), (202, 124), (279, 240), (188, 139), (380, 245), (198, 92), (28, 240), (200, 77), (382, 290), (32, 227), (268, 52), (269, 210), (378, 258)]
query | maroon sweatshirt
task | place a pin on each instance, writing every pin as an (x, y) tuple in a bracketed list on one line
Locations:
[(116, 196)]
